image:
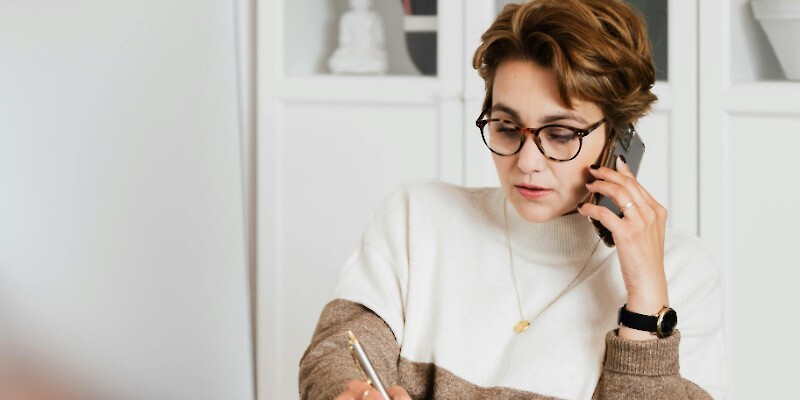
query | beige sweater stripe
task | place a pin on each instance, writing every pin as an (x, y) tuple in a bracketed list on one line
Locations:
[(633, 370)]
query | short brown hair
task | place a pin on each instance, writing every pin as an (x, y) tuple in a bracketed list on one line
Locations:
[(597, 49)]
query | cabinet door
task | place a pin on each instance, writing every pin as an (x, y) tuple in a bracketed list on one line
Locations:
[(331, 147), (750, 125)]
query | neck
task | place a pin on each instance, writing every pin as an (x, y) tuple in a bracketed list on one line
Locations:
[(575, 211), (568, 237)]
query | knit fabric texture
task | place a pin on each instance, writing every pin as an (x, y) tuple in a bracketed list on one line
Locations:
[(430, 292)]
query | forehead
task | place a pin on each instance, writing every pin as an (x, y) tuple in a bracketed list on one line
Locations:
[(532, 91)]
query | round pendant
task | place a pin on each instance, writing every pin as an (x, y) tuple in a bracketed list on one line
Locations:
[(521, 326)]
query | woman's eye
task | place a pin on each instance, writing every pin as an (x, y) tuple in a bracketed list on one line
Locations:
[(508, 130), (559, 134)]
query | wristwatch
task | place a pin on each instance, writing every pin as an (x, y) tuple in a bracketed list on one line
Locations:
[(661, 324)]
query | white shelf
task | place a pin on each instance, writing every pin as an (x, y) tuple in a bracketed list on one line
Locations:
[(780, 97), (396, 89), (310, 31)]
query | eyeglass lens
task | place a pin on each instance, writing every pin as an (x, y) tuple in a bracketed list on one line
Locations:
[(556, 141)]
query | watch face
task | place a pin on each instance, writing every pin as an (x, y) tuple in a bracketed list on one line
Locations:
[(667, 323)]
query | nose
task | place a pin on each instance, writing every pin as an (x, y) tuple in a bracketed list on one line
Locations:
[(529, 158)]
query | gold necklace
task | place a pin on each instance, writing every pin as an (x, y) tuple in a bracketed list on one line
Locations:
[(523, 323)]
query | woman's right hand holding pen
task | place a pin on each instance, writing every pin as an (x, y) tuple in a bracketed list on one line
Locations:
[(358, 389)]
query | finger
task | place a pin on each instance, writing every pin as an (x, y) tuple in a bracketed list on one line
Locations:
[(373, 394), (610, 175), (398, 393), (656, 207), (354, 390), (619, 194), (622, 176), (632, 208), (602, 214), (622, 190), (625, 169), (644, 210)]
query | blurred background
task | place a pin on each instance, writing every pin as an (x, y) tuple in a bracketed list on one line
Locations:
[(123, 222), (181, 182)]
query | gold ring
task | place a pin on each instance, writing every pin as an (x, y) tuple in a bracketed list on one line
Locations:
[(365, 394), (627, 206)]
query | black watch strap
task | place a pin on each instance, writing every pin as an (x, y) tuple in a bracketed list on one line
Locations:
[(661, 325), (640, 322)]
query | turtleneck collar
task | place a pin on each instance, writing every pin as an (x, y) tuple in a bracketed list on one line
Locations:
[(568, 237)]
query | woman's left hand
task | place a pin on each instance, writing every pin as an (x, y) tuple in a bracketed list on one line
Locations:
[(639, 235)]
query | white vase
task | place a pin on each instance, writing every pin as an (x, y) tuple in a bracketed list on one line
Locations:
[(781, 20)]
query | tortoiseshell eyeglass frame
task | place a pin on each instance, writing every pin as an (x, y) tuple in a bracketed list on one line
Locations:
[(481, 122)]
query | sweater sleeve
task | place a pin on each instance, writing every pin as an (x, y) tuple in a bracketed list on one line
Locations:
[(369, 299), (651, 369), (327, 365), (644, 369)]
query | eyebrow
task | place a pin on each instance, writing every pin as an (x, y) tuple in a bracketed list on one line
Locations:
[(545, 120)]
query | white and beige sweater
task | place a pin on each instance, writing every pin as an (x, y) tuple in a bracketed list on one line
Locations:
[(430, 293)]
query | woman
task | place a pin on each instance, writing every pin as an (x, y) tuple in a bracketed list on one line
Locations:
[(462, 293)]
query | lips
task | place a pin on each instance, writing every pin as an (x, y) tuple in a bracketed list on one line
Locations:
[(532, 192), (531, 187)]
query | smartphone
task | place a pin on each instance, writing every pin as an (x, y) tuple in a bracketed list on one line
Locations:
[(630, 146)]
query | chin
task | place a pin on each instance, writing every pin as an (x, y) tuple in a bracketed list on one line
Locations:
[(533, 212)]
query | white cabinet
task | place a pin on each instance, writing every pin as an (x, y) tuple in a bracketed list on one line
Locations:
[(750, 135), (330, 147)]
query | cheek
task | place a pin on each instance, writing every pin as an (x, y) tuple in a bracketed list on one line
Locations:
[(574, 179), (503, 164), (592, 150), (578, 172)]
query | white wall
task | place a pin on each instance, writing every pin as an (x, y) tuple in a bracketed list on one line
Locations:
[(122, 250)]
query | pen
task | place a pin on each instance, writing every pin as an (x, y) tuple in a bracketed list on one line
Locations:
[(363, 363)]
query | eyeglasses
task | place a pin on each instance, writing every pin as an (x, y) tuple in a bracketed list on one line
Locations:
[(556, 142)]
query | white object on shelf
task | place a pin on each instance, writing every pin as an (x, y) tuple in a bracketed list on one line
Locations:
[(781, 20), (420, 23), (360, 42)]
